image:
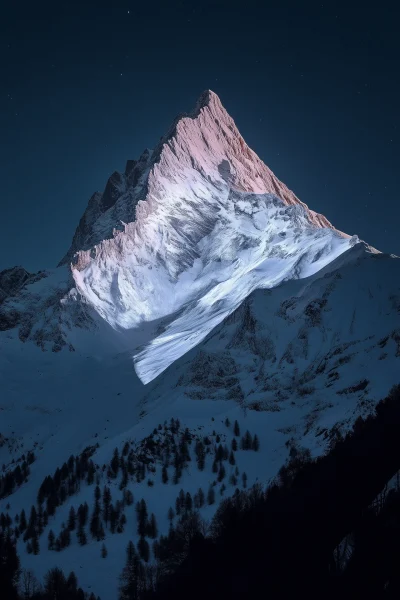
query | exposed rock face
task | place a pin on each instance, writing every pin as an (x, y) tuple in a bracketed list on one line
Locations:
[(108, 210), (11, 280)]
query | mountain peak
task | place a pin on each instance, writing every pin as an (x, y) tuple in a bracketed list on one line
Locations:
[(207, 98)]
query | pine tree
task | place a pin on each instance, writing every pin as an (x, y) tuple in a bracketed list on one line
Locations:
[(244, 480), (164, 474), (32, 522), (200, 495), (83, 512), (233, 480), (81, 535), (232, 460), (236, 429), (256, 443), (234, 445), (71, 519), (152, 530), (177, 506), (22, 521), (219, 455), (35, 544), (101, 534), (246, 442), (171, 514), (200, 455), (97, 494), (141, 509), (144, 549), (104, 551), (188, 502), (95, 521), (221, 472), (227, 422), (132, 577), (106, 504), (215, 466), (51, 537), (211, 495), (115, 462), (128, 497), (72, 583)]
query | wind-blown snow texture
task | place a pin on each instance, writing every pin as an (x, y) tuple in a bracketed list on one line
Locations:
[(205, 223)]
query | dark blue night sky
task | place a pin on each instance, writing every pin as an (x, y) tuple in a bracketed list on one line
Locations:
[(313, 87)]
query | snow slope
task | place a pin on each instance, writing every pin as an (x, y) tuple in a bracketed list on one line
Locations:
[(292, 364)]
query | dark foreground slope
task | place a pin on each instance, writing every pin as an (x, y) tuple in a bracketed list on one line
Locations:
[(282, 542)]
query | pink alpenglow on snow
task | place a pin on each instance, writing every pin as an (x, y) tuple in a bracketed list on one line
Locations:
[(193, 227)]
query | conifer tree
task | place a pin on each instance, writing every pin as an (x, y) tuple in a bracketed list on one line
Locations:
[(128, 497), (232, 460), (201, 497), (164, 474), (141, 509), (106, 504), (72, 583), (233, 480), (234, 445), (188, 502), (35, 544), (219, 455), (104, 551), (211, 495), (152, 530), (51, 537), (132, 577), (178, 506), (32, 521), (115, 462), (221, 472), (97, 493), (244, 480), (71, 519), (246, 443), (81, 535), (22, 521), (200, 455), (256, 443), (95, 521), (144, 549), (236, 429)]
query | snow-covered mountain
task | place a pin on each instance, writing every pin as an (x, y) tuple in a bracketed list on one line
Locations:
[(198, 273), (204, 222)]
